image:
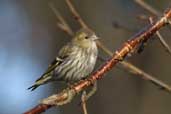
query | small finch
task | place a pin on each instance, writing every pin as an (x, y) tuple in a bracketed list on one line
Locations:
[(75, 61)]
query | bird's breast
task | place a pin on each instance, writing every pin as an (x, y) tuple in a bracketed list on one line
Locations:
[(78, 65)]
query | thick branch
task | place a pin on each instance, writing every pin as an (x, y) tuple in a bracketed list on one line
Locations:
[(38, 109), (119, 55)]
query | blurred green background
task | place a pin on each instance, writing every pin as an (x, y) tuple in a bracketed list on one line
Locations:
[(30, 40)]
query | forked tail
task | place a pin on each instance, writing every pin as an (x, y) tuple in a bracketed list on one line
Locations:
[(42, 80)]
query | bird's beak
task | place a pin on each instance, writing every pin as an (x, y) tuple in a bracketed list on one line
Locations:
[(94, 37)]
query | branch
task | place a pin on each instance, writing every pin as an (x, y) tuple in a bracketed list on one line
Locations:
[(128, 66), (68, 94), (161, 39), (63, 25), (76, 15), (83, 102), (149, 8), (38, 109)]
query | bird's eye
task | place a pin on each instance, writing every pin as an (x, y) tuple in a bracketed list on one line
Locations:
[(86, 37)]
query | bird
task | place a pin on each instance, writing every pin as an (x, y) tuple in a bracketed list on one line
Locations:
[(74, 62)]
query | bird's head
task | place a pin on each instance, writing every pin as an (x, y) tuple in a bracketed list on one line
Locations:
[(85, 38)]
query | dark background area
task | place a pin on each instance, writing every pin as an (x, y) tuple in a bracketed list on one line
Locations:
[(30, 40)]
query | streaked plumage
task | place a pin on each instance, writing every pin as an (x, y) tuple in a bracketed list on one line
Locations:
[(75, 61)]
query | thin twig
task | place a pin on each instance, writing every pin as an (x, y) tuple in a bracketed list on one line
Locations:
[(75, 14), (128, 66), (149, 8), (163, 42), (148, 77), (63, 25), (161, 39), (83, 102), (68, 94)]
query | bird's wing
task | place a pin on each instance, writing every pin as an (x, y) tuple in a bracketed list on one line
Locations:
[(52, 66), (47, 75), (63, 54)]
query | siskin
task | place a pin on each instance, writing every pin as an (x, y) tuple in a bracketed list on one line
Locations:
[(75, 61)]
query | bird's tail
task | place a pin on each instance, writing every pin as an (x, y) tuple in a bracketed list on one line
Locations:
[(42, 80), (33, 87)]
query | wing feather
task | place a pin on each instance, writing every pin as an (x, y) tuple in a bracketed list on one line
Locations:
[(63, 54)]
